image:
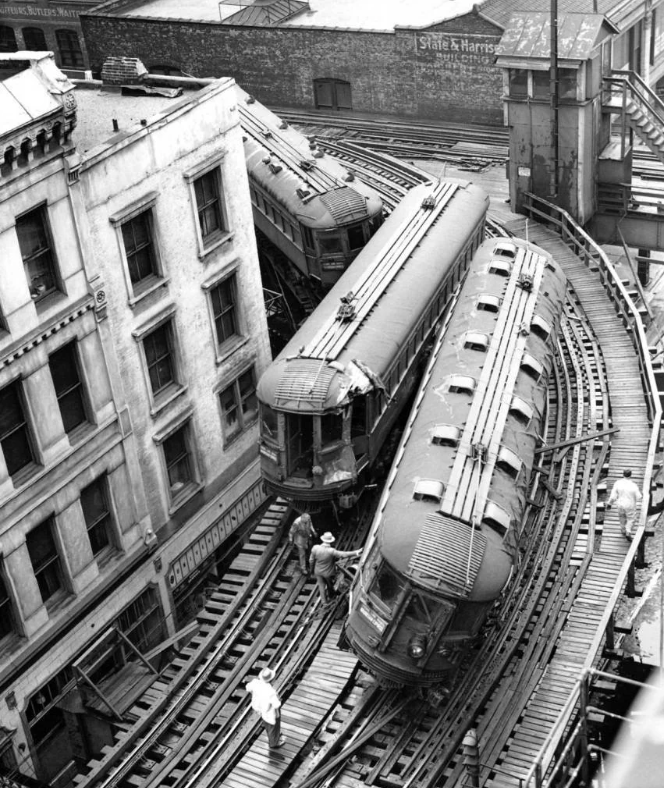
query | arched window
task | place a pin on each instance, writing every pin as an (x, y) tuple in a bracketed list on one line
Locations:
[(69, 48), (34, 39), (7, 39), (332, 94)]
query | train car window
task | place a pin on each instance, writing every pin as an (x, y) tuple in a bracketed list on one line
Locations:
[(476, 341), (297, 237), (308, 237), (488, 303), (445, 435), (330, 243), (358, 424), (462, 384), (269, 423), (521, 411), (531, 366), (356, 236), (387, 586), (568, 80), (331, 428), (540, 327), (496, 518), (418, 610), (428, 490), (518, 82), (508, 461)]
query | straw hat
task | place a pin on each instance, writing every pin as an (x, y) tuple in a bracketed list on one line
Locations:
[(327, 538), (267, 674)]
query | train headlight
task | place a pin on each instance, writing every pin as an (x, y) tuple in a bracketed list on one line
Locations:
[(417, 646)]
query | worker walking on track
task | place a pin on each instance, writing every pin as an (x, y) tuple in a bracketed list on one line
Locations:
[(301, 534), (265, 701), (322, 562), (626, 495)]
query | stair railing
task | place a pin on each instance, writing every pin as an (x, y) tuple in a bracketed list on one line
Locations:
[(625, 85)]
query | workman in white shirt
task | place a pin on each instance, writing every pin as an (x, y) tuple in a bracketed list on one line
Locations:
[(627, 496), (265, 701)]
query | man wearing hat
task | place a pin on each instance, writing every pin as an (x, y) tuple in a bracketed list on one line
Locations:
[(301, 534), (265, 701), (322, 563)]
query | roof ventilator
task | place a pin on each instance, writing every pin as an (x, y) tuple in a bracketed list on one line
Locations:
[(266, 133), (307, 165), (251, 100), (480, 452), (346, 311), (350, 177), (303, 194), (283, 124), (429, 203)]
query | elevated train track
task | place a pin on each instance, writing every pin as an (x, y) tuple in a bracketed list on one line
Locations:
[(341, 728)]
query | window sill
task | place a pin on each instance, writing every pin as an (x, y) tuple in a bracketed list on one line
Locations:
[(52, 299), (184, 495), (25, 474), (166, 398), (213, 244), (230, 347), (237, 435), (150, 287), (80, 432)]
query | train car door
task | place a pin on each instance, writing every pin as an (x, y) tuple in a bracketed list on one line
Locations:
[(299, 445)]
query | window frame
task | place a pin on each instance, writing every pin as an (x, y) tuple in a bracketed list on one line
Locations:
[(57, 560), (49, 250), (108, 518), (183, 422), (234, 384), (3, 28), (78, 63), (18, 476), (9, 620), (174, 389), (145, 205), (208, 244), (32, 29), (82, 386), (230, 345)]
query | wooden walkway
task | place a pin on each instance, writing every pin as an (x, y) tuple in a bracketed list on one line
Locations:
[(301, 715), (578, 642)]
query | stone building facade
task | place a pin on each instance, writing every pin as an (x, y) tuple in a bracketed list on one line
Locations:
[(132, 335)]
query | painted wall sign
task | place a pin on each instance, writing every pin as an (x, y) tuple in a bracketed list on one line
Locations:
[(468, 50), (32, 11)]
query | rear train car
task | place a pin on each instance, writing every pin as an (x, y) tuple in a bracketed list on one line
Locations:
[(306, 202), (445, 538), (331, 397)]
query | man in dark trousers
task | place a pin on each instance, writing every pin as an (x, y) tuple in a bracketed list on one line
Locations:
[(265, 701), (301, 534), (322, 562)]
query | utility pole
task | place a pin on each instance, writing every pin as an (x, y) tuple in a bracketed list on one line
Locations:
[(555, 98)]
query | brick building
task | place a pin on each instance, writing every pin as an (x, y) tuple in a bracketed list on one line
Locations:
[(425, 60), (132, 335)]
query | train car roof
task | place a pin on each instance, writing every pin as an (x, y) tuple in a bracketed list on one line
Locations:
[(466, 454), (310, 184), (383, 294)]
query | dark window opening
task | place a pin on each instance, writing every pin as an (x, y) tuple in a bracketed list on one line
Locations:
[(209, 207), (68, 386), (45, 559), (97, 514), (14, 433), (159, 357), (332, 94), (178, 460), (542, 85), (7, 39), (7, 621), (356, 237), (69, 47), (387, 586), (269, 423), (358, 424), (34, 240), (137, 235), (518, 82), (330, 243), (34, 39), (239, 404), (224, 309), (331, 428)]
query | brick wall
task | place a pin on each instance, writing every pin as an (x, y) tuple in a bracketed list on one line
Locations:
[(445, 72)]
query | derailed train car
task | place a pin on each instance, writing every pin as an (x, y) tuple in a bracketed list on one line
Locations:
[(331, 397), (305, 202), (445, 538)]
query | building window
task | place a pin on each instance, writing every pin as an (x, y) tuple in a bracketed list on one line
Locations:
[(209, 206), (68, 386), (332, 94), (138, 238), (97, 514), (45, 559), (7, 39), (143, 621), (239, 405), (179, 460), (160, 358), (15, 437), (34, 39), (224, 309), (34, 240), (69, 46), (7, 622)]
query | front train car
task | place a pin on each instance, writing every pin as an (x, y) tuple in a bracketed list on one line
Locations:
[(304, 201), (445, 538), (333, 394)]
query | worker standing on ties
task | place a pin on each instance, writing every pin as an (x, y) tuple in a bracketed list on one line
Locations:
[(626, 495), (322, 561), (265, 701), (301, 534)]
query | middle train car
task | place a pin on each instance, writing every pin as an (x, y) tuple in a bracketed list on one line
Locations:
[(333, 394), (445, 537)]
